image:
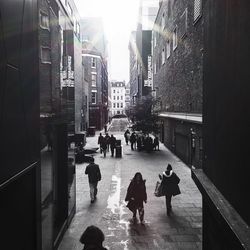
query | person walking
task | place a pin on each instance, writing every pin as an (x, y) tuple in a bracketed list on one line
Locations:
[(112, 141), (126, 136), (100, 141), (170, 187), (92, 238), (132, 140), (104, 147), (94, 175), (156, 143), (136, 195), (107, 138)]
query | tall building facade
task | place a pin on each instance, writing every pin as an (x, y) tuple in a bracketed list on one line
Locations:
[(224, 178), (147, 12), (94, 52), (177, 46), (96, 75), (118, 93), (133, 81), (41, 111)]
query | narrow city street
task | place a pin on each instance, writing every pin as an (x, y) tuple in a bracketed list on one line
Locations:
[(182, 230)]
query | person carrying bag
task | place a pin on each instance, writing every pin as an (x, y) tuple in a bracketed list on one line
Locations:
[(169, 186)]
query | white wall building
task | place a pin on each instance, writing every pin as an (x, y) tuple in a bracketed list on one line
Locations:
[(117, 98)]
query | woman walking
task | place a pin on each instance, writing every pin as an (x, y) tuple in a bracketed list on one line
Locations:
[(170, 186), (136, 195)]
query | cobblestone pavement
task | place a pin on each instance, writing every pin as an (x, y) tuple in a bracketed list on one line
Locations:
[(182, 230)]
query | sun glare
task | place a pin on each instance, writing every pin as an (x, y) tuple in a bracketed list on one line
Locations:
[(119, 19)]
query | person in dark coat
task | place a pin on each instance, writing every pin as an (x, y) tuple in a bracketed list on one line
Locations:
[(156, 143), (112, 141), (170, 186), (100, 141), (107, 138), (94, 175), (136, 195), (132, 140), (104, 147), (126, 136), (93, 238)]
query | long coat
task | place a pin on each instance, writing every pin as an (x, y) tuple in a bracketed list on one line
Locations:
[(138, 192), (170, 184)]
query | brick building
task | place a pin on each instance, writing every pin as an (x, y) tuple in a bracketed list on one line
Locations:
[(96, 75), (177, 46)]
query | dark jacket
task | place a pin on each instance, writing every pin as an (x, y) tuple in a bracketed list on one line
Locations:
[(137, 191), (93, 247), (170, 183), (100, 139), (112, 141), (93, 172)]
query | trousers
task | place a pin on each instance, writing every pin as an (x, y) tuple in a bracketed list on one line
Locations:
[(93, 190)]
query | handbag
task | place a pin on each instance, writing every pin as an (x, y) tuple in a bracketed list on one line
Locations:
[(131, 205), (158, 189)]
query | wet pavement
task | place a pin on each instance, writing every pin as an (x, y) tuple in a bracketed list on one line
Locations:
[(182, 230)]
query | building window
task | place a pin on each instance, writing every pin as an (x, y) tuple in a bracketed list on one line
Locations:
[(113, 105), (114, 97), (118, 97), (168, 49), (163, 56), (44, 20), (45, 55), (175, 41), (117, 105), (114, 91), (93, 62), (121, 105), (197, 9), (93, 97), (163, 21), (93, 80)]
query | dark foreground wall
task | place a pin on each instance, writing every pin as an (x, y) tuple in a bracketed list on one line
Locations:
[(226, 112), (19, 126)]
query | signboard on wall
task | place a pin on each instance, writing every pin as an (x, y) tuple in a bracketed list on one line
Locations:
[(148, 82)]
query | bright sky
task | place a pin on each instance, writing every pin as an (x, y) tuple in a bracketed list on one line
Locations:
[(120, 18)]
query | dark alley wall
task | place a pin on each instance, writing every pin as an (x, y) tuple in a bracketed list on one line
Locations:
[(19, 125)]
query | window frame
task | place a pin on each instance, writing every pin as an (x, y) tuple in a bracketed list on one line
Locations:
[(95, 96), (42, 13), (41, 52)]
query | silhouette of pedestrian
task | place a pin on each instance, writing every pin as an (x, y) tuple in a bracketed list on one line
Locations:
[(132, 140), (170, 186), (94, 175), (126, 136), (136, 195), (107, 138), (93, 238), (112, 141), (100, 141), (156, 143)]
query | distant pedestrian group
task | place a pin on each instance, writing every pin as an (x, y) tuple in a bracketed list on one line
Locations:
[(141, 141), (106, 143)]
